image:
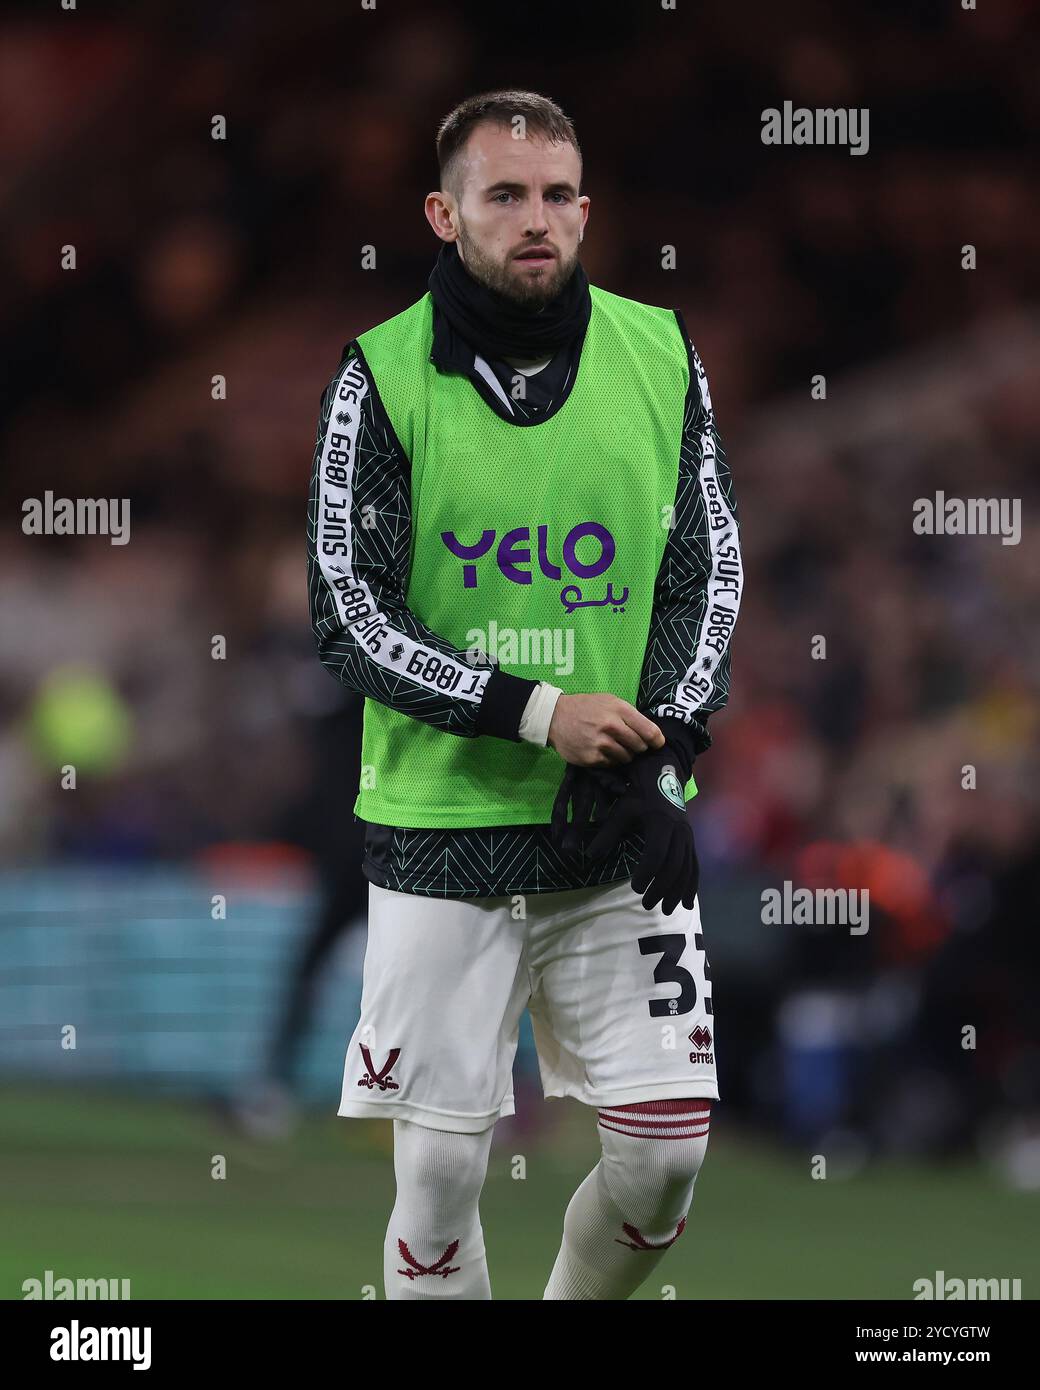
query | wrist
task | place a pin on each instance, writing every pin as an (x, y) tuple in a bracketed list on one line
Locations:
[(538, 715), (501, 710), (669, 753)]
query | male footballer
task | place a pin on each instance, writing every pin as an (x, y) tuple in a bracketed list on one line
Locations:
[(523, 551)]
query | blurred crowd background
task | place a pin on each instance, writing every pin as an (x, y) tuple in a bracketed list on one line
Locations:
[(242, 257)]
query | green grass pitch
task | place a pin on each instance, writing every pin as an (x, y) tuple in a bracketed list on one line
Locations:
[(99, 1184)]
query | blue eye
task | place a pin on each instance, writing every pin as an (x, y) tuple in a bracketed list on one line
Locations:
[(497, 196)]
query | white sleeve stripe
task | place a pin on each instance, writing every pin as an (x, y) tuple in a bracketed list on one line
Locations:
[(356, 612), (724, 587)]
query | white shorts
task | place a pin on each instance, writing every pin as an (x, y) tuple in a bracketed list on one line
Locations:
[(619, 999)]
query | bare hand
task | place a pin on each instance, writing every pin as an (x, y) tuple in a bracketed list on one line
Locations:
[(600, 730)]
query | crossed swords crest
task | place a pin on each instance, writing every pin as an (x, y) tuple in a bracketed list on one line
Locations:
[(382, 1079)]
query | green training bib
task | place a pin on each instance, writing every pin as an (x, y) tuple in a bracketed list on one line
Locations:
[(539, 544)]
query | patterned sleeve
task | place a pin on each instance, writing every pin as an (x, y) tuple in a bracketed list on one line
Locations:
[(358, 560), (686, 671)]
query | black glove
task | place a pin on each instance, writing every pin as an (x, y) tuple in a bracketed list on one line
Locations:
[(668, 871), (591, 791)]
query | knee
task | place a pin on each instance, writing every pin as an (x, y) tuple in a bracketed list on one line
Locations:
[(433, 1163), (652, 1156)]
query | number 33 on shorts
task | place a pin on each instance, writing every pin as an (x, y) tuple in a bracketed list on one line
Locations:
[(670, 947)]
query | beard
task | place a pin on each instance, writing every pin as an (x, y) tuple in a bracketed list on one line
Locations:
[(530, 293)]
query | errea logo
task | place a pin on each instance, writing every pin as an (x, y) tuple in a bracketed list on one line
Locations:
[(701, 1039)]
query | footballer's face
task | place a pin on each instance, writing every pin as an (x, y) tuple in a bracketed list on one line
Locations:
[(520, 218)]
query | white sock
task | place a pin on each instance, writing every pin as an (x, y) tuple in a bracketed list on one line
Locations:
[(633, 1205), (434, 1245)]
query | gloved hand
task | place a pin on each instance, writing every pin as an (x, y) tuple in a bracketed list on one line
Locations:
[(668, 871), (591, 791)]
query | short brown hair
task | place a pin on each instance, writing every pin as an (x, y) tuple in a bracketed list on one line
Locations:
[(541, 116)]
